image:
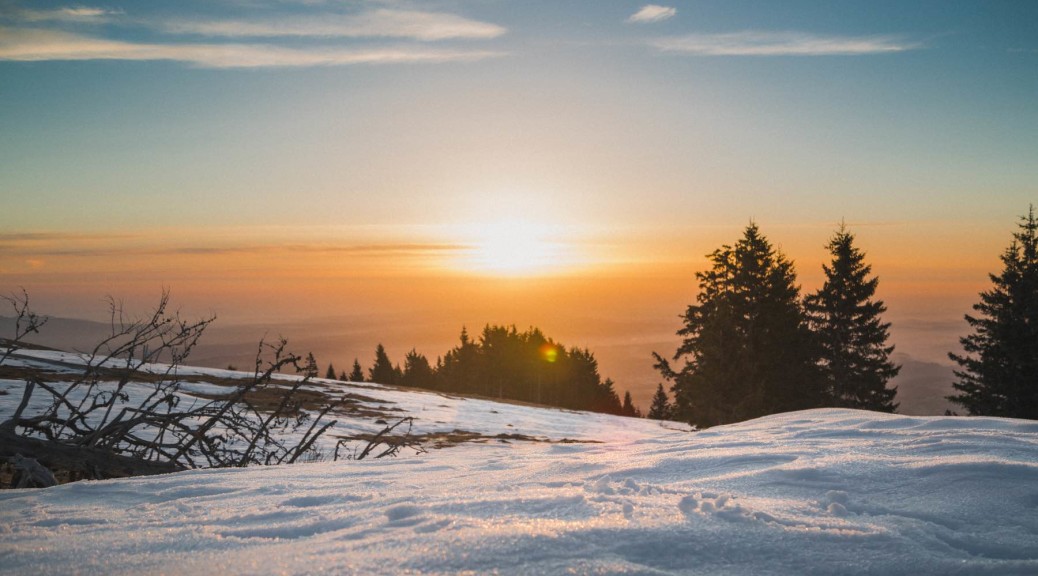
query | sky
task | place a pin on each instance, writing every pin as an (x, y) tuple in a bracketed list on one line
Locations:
[(562, 164)]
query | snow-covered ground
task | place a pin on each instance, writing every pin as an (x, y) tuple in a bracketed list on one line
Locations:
[(815, 492)]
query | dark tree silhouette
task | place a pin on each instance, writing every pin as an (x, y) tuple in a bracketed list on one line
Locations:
[(417, 371), (383, 371), (605, 398), (748, 350), (628, 408), (660, 409), (460, 370), (526, 366), (330, 373), (853, 338), (357, 375), (999, 375)]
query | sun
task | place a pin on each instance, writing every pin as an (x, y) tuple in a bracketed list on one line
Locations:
[(514, 248)]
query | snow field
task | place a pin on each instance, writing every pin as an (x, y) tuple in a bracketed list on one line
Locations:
[(814, 492)]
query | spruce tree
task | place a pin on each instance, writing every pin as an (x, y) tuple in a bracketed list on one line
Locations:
[(628, 408), (999, 375), (660, 409), (310, 369), (382, 371), (462, 366), (418, 373), (853, 338), (330, 373), (747, 350), (357, 375), (606, 399)]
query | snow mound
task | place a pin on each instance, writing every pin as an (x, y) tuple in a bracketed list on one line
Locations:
[(821, 491)]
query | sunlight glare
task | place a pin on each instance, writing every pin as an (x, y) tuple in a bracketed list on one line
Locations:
[(514, 248)]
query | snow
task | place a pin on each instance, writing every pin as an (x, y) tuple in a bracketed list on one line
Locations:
[(814, 492)]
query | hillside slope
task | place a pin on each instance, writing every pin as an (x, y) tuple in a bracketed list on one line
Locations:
[(821, 491)]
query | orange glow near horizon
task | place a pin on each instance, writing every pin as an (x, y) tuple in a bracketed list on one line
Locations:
[(616, 291)]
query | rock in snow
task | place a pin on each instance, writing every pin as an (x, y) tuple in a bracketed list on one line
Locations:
[(814, 492)]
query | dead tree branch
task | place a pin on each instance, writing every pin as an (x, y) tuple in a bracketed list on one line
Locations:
[(126, 412)]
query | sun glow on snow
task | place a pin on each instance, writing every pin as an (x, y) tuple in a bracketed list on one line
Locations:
[(515, 248)]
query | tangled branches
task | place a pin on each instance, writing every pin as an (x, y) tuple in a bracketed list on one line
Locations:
[(123, 410), (383, 444)]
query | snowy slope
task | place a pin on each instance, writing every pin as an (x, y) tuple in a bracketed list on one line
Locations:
[(822, 491), (434, 412)]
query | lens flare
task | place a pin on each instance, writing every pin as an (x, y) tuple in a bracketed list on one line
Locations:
[(549, 352)]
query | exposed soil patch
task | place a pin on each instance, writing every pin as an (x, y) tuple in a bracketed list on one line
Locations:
[(269, 398), (23, 345), (437, 440), (23, 373)]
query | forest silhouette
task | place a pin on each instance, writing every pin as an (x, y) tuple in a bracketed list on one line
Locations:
[(753, 345)]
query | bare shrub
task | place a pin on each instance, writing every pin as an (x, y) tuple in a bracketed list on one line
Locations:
[(123, 412)]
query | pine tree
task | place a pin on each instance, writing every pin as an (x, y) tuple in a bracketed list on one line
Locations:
[(606, 399), (330, 373), (383, 371), (310, 369), (628, 408), (462, 366), (417, 371), (660, 409), (747, 348), (999, 375), (853, 339), (357, 375)]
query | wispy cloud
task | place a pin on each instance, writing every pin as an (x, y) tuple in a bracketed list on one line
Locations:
[(58, 236), (652, 13), (120, 249), (378, 249), (81, 14), (21, 44), (755, 43), (383, 23), (41, 35)]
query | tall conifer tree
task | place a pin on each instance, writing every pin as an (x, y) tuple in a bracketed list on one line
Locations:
[(853, 338), (357, 375), (747, 349), (999, 375), (418, 373), (628, 408), (660, 409), (382, 371)]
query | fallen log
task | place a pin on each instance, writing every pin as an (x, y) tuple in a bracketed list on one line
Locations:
[(79, 461)]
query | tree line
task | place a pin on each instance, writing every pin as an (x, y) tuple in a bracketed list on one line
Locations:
[(753, 346), (505, 363)]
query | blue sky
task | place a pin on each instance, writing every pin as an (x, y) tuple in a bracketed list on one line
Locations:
[(818, 102)]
